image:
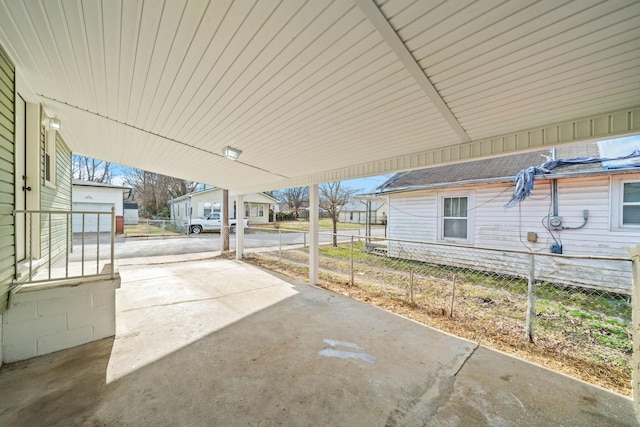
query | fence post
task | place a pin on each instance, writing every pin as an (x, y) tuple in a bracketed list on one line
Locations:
[(411, 285), (279, 246), (531, 311), (352, 281), (634, 252)]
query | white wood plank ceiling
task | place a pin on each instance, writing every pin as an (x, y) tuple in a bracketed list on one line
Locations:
[(320, 90)]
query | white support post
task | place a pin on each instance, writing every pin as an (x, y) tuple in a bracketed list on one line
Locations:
[(239, 227), (224, 215), (314, 230)]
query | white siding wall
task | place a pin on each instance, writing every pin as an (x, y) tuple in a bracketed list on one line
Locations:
[(413, 216), (358, 217)]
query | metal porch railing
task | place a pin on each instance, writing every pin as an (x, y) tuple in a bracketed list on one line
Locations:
[(53, 255)]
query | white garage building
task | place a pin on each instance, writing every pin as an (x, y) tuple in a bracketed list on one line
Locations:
[(97, 197)]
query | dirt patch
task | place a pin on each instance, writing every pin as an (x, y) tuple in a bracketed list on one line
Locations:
[(487, 317)]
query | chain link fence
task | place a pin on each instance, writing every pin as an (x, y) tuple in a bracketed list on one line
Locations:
[(576, 307), (160, 227)]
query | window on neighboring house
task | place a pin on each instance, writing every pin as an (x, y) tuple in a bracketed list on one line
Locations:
[(256, 211), (454, 218), (247, 210), (207, 208), (50, 156), (631, 203), (216, 206)]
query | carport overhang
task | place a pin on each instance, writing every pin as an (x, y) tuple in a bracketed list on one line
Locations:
[(322, 91), (319, 91)]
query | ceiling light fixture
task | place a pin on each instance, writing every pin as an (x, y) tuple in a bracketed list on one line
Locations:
[(231, 153), (54, 123)]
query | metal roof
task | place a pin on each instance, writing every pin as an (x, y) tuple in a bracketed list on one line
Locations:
[(322, 90)]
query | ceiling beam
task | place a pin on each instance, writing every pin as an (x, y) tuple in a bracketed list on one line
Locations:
[(380, 22)]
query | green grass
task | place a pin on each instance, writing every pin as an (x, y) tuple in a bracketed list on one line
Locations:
[(324, 224), (623, 344), (143, 230)]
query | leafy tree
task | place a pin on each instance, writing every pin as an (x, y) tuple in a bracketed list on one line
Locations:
[(333, 197), (89, 169)]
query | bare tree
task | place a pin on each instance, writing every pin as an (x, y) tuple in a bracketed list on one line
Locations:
[(294, 197), (333, 197), (153, 191), (89, 169)]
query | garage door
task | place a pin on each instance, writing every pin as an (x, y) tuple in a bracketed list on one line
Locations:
[(91, 220)]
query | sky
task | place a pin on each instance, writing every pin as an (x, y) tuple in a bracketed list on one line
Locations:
[(367, 185), (364, 185)]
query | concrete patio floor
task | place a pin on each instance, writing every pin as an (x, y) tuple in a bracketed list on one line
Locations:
[(220, 342)]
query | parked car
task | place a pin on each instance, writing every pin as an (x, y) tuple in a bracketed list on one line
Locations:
[(213, 222)]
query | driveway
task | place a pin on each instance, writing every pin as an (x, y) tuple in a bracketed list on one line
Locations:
[(221, 342)]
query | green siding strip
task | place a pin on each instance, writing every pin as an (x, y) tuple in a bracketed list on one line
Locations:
[(6, 66), (6, 200), (6, 106), (7, 176)]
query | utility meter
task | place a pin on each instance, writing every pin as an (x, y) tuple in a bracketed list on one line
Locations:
[(555, 222)]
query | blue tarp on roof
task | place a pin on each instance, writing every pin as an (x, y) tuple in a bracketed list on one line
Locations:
[(524, 179)]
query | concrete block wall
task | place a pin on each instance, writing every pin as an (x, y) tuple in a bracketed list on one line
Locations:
[(42, 319)]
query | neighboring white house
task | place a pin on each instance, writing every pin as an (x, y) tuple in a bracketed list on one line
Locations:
[(201, 203), (97, 197), (355, 212), (596, 211), (465, 204)]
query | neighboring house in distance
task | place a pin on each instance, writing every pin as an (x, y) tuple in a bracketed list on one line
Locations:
[(465, 204), (201, 203), (355, 212), (91, 196)]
